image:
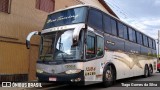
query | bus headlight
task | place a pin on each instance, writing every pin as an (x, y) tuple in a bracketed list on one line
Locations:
[(39, 71), (73, 71)]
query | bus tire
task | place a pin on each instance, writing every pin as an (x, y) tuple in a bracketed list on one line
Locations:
[(150, 70), (108, 76), (146, 71)]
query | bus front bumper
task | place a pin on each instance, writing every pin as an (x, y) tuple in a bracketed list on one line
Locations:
[(61, 78)]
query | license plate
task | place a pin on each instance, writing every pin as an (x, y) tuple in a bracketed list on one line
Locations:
[(52, 79)]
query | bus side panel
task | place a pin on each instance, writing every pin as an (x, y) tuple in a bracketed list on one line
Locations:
[(129, 58), (130, 65)]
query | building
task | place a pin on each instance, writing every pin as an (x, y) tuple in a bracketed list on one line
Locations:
[(17, 19)]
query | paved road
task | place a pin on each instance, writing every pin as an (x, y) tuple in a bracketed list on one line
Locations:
[(135, 80), (155, 79)]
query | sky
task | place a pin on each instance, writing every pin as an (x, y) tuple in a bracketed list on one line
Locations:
[(141, 14)]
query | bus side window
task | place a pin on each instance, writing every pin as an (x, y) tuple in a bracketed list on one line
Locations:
[(145, 40), (100, 46), (114, 27), (132, 35), (107, 24), (125, 32), (90, 50), (95, 19), (150, 42), (154, 44), (139, 38), (120, 30)]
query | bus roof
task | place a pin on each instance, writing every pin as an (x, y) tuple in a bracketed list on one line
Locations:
[(88, 5)]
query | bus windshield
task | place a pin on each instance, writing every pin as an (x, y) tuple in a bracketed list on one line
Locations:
[(58, 46), (66, 17)]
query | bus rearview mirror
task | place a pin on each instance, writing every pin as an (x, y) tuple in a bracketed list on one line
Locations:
[(29, 38), (76, 34)]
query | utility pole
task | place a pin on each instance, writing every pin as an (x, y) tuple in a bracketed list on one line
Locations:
[(158, 42)]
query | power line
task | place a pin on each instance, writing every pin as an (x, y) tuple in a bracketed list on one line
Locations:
[(124, 14), (119, 5)]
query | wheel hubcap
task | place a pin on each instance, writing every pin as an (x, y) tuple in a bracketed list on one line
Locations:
[(150, 70), (146, 72), (108, 75)]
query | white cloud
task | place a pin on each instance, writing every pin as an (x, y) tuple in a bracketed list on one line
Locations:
[(141, 14), (157, 2), (152, 21)]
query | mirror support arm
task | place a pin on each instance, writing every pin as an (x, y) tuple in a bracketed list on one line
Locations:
[(29, 38), (76, 33)]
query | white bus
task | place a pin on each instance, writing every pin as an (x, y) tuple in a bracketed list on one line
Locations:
[(85, 45)]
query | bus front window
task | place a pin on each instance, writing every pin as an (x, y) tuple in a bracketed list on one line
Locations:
[(58, 46)]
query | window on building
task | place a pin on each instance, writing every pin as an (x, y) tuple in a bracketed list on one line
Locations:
[(5, 6), (139, 38), (45, 5), (100, 46), (114, 27), (95, 19), (107, 24)]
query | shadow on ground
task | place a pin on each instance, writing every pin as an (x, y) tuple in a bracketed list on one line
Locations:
[(97, 86)]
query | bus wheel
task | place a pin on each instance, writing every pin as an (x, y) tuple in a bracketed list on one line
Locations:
[(146, 71), (150, 70), (108, 77)]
